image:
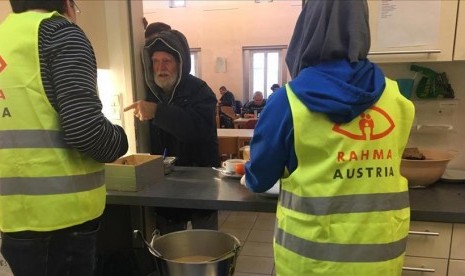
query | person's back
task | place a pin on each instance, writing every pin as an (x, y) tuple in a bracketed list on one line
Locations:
[(54, 138), (334, 137), (227, 108), (227, 97)]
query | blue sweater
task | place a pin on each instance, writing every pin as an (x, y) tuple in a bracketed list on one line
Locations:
[(339, 89)]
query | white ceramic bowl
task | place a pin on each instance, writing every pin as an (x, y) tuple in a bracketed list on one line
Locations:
[(421, 173)]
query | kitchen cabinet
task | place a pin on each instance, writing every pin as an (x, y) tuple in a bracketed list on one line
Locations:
[(424, 266), (456, 268), (457, 251), (442, 50), (428, 247), (459, 52), (435, 248)]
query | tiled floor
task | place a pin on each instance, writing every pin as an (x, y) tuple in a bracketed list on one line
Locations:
[(255, 231)]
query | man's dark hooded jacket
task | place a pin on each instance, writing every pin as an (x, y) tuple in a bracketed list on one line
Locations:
[(184, 122)]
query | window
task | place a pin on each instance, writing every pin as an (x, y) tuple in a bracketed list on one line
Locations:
[(177, 3), (263, 67), (195, 62)]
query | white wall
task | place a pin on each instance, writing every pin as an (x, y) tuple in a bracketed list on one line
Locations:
[(427, 110), (222, 28), (5, 9)]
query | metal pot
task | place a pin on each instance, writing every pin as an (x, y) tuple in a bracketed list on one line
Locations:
[(196, 253)]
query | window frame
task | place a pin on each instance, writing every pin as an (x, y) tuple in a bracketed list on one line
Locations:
[(248, 68), (177, 3), (195, 65)]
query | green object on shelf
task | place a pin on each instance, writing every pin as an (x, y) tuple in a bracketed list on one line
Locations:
[(432, 84)]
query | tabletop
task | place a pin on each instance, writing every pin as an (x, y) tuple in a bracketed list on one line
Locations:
[(235, 132)]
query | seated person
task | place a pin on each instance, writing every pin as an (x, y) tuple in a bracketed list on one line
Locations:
[(254, 107), (274, 87), (227, 99)]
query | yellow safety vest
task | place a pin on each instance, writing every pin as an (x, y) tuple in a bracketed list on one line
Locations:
[(44, 184), (345, 209)]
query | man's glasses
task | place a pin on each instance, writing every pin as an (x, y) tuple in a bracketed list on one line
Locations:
[(76, 8)]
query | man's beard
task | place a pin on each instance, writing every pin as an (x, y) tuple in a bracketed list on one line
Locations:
[(166, 84)]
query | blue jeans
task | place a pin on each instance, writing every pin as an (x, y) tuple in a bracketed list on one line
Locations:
[(69, 251)]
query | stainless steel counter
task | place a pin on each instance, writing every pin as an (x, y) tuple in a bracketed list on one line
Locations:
[(440, 202), (201, 188), (204, 188)]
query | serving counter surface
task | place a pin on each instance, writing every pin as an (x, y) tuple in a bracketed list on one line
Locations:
[(204, 188), (201, 188)]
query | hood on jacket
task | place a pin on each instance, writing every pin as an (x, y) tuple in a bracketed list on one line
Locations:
[(174, 43), (327, 58)]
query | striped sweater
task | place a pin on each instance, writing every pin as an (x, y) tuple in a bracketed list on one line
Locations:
[(69, 75)]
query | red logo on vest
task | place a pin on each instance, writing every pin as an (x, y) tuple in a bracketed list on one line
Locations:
[(366, 121), (2, 64)]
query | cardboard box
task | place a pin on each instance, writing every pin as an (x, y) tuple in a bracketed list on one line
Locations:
[(134, 172)]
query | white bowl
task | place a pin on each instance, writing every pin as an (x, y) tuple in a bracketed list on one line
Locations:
[(421, 173)]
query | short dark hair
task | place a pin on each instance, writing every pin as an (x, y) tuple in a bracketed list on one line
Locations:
[(19, 6), (275, 86), (223, 88)]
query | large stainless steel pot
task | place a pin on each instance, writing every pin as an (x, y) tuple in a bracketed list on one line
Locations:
[(196, 253)]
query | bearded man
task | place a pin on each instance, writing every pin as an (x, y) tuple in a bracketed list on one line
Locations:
[(181, 111)]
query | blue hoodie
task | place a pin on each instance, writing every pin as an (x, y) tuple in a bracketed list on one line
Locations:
[(336, 80)]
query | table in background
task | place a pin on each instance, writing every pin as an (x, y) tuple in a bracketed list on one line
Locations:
[(243, 122), (232, 140)]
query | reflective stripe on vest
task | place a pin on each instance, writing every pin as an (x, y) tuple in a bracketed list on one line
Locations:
[(10, 139), (334, 252), (51, 185), (322, 206)]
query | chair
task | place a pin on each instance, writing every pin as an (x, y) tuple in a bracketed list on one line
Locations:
[(243, 141), (238, 106), (229, 111), (217, 118), (228, 147), (227, 116)]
